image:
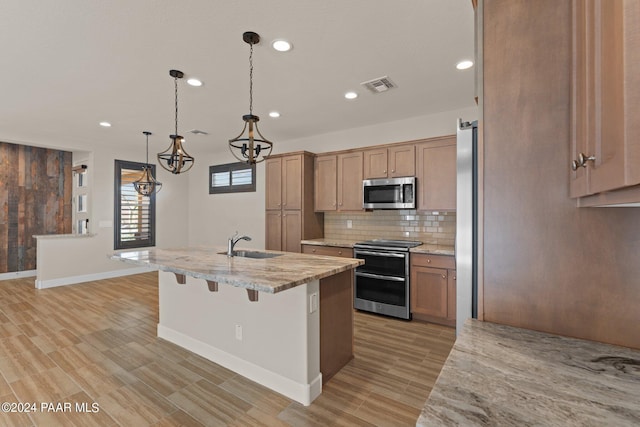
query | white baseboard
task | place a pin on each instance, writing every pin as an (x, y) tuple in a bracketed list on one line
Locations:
[(302, 393), (71, 280), (17, 274)]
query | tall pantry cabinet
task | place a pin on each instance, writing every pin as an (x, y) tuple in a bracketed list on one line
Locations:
[(290, 216)]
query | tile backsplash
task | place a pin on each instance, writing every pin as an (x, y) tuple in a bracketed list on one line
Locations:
[(428, 227)]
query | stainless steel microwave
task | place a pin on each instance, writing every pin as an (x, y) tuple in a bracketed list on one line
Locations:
[(392, 193)]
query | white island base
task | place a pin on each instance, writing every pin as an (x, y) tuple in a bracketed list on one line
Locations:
[(274, 341)]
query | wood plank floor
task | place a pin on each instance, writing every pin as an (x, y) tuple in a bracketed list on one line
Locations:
[(95, 344)]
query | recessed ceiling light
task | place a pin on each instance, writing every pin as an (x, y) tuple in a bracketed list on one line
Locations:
[(274, 114), (281, 45), (463, 65), (351, 95), (105, 124), (194, 82)]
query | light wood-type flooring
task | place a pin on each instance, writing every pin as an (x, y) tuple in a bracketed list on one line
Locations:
[(90, 352)]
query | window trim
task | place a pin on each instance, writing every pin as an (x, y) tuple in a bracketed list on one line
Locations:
[(231, 167), (117, 219)]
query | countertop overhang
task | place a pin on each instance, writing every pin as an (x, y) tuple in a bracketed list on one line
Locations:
[(270, 275)]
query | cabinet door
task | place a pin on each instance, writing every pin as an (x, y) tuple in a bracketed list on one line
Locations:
[(451, 295), (350, 181), (429, 291), (436, 186), (273, 237), (292, 182), (291, 230), (375, 163), (402, 161), (273, 177), (604, 75), (326, 173)]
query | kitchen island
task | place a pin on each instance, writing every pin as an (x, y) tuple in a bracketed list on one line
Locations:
[(256, 316), (501, 375)]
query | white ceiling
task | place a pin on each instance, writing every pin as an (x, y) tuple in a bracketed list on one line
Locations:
[(69, 64)]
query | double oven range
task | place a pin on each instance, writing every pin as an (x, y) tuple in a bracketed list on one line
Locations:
[(382, 282)]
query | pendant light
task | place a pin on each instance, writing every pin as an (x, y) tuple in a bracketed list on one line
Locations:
[(175, 159), (146, 185), (250, 149)]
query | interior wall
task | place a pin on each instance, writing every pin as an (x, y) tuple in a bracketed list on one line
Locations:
[(213, 218), (35, 198), (548, 265)]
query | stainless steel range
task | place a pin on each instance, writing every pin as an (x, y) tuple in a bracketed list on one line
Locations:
[(382, 283)]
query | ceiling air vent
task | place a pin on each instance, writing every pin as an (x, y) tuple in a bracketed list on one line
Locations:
[(198, 132), (381, 84)]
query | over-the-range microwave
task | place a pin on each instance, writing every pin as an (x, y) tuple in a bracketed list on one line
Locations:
[(392, 193)]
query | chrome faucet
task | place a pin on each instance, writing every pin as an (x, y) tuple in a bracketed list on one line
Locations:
[(232, 243)]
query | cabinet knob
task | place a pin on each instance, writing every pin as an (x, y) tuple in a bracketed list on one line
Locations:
[(444, 277), (340, 204), (278, 204), (339, 252), (582, 161), (384, 171), (428, 261), (393, 170), (284, 204), (313, 250), (454, 277)]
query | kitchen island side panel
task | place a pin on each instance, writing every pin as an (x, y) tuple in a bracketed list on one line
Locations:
[(279, 346)]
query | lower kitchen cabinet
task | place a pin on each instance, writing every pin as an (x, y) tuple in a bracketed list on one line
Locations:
[(336, 313), (284, 230), (433, 288)]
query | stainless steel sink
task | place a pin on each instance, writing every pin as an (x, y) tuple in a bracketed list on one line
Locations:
[(252, 254)]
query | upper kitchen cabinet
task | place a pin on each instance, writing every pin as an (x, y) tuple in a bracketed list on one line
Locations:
[(436, 174), (605, 142), (284, 183), (392, 162), (290, 217), (338, 181)]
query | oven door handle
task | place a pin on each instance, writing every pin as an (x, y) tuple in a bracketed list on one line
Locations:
[(380, 254), (380, 276)]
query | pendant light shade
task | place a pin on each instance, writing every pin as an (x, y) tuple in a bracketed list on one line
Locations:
[(250, 148), (146, 185), (175, 159)]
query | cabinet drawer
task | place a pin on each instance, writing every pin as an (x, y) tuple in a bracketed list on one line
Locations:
[(433, 261), (328, 251)]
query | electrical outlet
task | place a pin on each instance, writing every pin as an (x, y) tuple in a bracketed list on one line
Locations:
[(313, 302), (349, 223), (239, 332)]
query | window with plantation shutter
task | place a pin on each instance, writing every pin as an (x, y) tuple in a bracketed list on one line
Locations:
[(135, 214), (232, 178)]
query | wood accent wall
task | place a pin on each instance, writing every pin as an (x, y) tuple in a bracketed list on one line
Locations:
[(35, 198), (548, 265)]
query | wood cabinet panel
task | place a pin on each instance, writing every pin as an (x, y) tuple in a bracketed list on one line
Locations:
[(273, 230), (605, 45), (289, 202), (291, 230), (402, 161), (375, 163), (451, 295), (326, 190), (328, 251), (429, 290), (434, 261), (273, 178), (292, 182), (436, 174), (350, 181)]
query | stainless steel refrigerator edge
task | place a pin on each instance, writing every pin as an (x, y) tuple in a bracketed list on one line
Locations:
[(466, 223)]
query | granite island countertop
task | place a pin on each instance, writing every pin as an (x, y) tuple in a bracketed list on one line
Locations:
[(498, 375), (269, 275)]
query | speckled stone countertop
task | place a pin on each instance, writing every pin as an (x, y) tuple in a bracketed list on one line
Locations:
[(497, 375), (347, 243), (269, 275)]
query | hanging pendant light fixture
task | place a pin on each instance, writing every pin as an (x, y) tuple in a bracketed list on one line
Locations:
[(146, 185), (175, 159), (250, 149)]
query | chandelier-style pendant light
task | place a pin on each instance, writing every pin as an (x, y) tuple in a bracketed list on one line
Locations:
[(250, 149), (175, 159), (146, 185)]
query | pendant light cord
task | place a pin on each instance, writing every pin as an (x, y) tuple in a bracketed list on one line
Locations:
[(175, 80), (251, 80), (147, 149)]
